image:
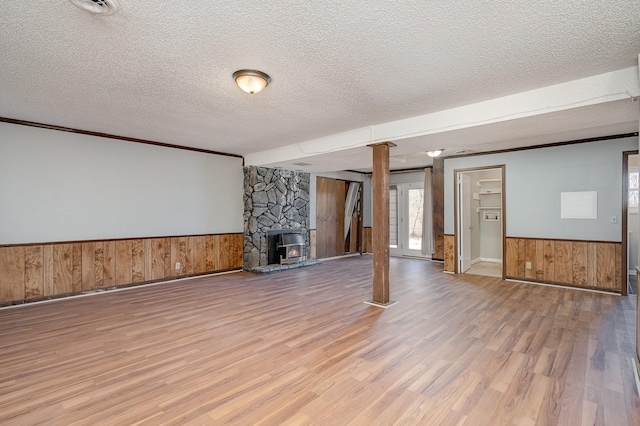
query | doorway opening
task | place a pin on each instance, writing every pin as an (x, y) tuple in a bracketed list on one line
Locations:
[(480, 221), (338, 217)]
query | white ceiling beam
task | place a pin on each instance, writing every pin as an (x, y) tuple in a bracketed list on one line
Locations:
[(598, 89)]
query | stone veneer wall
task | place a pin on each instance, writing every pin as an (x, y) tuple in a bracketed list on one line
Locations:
[(273, 199)]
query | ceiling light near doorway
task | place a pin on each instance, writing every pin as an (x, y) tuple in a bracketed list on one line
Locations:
[(251, 81), (435, 153)]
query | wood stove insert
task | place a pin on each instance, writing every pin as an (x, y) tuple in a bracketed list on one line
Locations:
[(286, 246)]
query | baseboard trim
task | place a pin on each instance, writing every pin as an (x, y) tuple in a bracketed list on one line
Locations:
[(486, 259), (611, 293), (380, 305)]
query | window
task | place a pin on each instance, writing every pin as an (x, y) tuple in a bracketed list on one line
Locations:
[(633, 191)]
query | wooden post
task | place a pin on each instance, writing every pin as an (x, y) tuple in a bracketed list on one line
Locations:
[(380, 229)]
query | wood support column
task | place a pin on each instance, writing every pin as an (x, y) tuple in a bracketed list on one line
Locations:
[(380, 228), (438, 207)]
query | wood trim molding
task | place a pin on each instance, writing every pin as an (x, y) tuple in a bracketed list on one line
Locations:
[(404, 171), (110, 136), (548, 145), (114, 239)]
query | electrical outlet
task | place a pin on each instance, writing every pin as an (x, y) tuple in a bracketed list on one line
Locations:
[(177, 266), (528, 265)]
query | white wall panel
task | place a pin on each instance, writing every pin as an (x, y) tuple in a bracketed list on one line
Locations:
[(60, 186)]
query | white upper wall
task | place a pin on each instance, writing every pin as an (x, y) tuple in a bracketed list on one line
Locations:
[(59, 186), (398, 178), (535, 178)]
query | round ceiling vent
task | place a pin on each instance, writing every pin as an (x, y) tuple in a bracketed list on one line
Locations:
[(98, 7)]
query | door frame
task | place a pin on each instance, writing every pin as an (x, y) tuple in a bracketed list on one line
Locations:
[(624, 221), (456, 212), (464, 180)]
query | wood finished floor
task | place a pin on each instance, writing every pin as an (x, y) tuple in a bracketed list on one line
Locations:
[(300, 348)]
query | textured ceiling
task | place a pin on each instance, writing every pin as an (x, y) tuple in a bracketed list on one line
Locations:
[(161, 70)]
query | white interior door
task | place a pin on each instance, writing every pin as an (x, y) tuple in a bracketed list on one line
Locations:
[(464, 222), (406, 219)]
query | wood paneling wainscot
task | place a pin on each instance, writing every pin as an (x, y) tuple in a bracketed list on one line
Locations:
[(587, 264), (36, 271), (366, 239), (449, 253), (313, 253)]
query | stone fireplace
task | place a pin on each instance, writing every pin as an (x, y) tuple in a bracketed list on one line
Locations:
[(274, 199)]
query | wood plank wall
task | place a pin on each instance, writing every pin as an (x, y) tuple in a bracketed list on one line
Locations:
[(34, 271), (351, 244), (366, 240), (313, 253), (330, 198), (587, 264), (449, 253)]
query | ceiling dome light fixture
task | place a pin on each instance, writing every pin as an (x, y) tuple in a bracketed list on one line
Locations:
[(435, 153), (98, 7), (251, 81)]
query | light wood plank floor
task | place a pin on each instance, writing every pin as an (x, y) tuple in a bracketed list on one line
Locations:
[(300, 348)]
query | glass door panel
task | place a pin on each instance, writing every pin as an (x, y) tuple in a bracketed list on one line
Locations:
[(416, 203), (405, 219)]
